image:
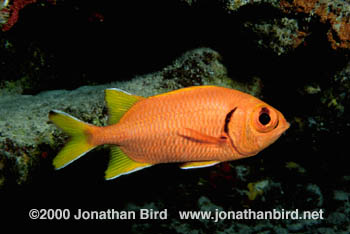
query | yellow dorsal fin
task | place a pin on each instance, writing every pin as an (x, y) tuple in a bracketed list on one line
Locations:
[(199, 137), (121, 164), (184, 90), (118, 103), (192, 165)]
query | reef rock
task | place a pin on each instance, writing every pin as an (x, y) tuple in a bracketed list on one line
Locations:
[(27, 138)]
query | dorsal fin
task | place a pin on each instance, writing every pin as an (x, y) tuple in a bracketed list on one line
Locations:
[(118, 103), (121, 164), (184, 90)]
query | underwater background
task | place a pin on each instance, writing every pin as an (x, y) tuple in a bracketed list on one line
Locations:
[(292, 54)]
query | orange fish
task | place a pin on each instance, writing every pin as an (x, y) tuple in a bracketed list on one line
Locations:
[(198, 126)]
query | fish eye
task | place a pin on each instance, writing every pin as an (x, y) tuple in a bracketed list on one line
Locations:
[(264, 118)]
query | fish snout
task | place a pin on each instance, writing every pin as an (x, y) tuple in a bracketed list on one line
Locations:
[(284, 125)]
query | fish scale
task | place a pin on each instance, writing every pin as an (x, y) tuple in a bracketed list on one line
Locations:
[(180, 117)]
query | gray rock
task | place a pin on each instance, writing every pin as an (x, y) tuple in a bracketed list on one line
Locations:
[(284, 33), (341, 195), (337, 218), (324, 230), (26, 136), (206, 205)]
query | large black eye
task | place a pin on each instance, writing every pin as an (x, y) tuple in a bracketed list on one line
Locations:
[(264, 118)]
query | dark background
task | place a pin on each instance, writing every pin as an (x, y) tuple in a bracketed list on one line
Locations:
[(94, 42)]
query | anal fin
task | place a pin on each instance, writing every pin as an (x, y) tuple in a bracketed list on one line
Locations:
[(121, 164), (193, 165)]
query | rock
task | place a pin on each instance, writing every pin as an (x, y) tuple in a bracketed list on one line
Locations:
[(279, 35), (206, 205), (26, 137), (324, 230), (337, 218), (334, 13), (293, 54), (32, 65), (317, 193), (284, 25), (341, 195)]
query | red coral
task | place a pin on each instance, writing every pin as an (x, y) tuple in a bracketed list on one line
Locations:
[(222, 174), (10, 12), (332, 13)]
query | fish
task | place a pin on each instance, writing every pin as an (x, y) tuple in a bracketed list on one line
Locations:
[(197, 126)]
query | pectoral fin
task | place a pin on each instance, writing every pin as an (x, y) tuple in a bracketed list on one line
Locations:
[(192, 165), (199, 137)]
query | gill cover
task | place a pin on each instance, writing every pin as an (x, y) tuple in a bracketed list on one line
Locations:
[(251, 128)]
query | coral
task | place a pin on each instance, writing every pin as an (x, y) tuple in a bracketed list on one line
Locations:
[(295, 166), (280, 35), (256, 189), (333, 13), (304, 170), (9, 12), (203, 67), (289, 28), (235, 5)]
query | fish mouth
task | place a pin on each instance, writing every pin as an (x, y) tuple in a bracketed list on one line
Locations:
[(286, 126), (283, 127), (282, 124)]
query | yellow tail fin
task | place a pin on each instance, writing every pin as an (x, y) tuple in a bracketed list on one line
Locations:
[(78, 144)]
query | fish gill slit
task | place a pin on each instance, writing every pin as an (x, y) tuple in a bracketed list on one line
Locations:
[(227, 119)]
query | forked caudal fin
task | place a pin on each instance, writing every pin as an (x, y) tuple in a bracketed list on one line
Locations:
[(118, 103), (77, 145)]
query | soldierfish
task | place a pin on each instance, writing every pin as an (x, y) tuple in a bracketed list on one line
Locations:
[(197, 126)]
